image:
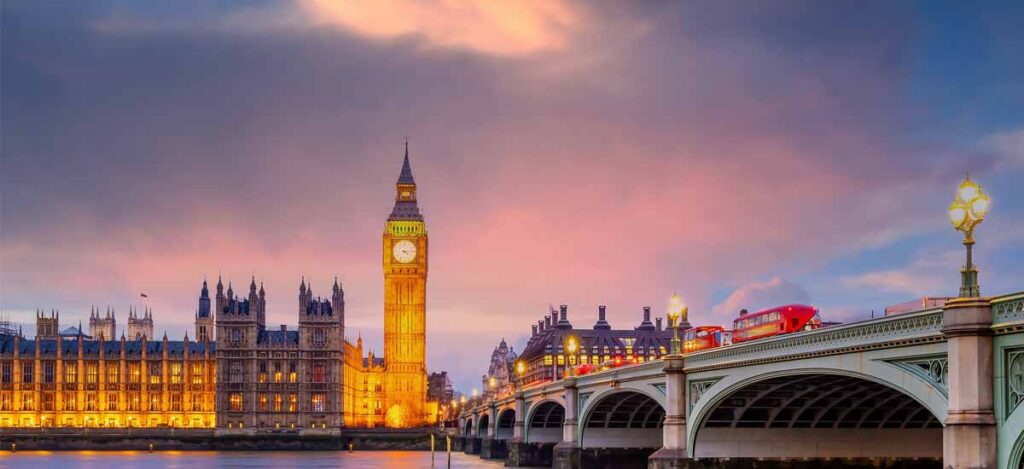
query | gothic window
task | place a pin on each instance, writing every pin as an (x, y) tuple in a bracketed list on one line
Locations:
[(6, 401), (91, 403), (318, 373), (197, 373), (92, 372), (48, 402), (235, 372), (277, 402), (262, 376), (28, 401), (317, 401), (236, 337), (293, 402), (134, 402), (293, 375), (154, 402), (48, 371), (155, 372), (263, 402), (69, 400), (175, 402), (277, 372), (5, 373), (70, 372), (134, 372), (318, 338), (175, 368), (197, 402), (235, 399), (112, 401), (112, 373)]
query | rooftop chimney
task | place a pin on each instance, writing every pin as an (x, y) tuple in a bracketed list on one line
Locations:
[(284, 327), (646, 325), (563, 321), (602, 323), (540, 326), (743, 312), (534, 327), (657, 323)]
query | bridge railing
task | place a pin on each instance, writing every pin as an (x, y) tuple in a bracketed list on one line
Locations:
[(1008, 312), (914, 327)]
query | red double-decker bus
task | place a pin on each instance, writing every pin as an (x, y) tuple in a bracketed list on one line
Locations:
[(775, 321), (702, 337)]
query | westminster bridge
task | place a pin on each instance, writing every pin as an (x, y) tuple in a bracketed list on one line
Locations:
[(933, 388)]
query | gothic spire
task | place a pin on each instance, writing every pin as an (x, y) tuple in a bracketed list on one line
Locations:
[(406, 176)]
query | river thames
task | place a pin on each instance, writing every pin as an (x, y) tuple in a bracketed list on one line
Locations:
[(238, 459)]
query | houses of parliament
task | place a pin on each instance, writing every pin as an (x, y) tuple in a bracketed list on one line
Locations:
[(236, 374)]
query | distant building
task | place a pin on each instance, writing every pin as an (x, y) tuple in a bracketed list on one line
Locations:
[(501, 371), (439, 388), (546, 357)]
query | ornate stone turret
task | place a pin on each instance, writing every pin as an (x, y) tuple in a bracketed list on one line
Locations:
[(204, 319)]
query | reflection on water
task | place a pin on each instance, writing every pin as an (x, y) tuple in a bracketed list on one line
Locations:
[(238, 459)]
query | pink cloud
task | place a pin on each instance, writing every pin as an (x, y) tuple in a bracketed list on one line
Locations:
[(755, 296)]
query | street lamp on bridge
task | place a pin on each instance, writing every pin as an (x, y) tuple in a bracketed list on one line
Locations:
[(570, 347), (968, 209), (676, 310)]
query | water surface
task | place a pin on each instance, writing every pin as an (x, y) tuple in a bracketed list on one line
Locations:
[(238, 459)]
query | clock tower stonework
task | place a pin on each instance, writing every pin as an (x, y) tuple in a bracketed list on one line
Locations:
[(405, 298)]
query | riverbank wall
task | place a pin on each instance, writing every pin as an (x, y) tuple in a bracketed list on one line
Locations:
[(207, 439)]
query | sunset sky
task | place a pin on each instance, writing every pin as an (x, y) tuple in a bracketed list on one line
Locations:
[(743, 154)]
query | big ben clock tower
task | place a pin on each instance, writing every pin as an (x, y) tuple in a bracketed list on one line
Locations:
[(405, 297)]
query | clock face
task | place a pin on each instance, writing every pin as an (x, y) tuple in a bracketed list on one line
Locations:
[(404, 251)]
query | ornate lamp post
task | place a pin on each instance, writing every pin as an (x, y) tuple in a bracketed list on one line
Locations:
[(520, 371), (570, 349), (676, 310), (968, 209)]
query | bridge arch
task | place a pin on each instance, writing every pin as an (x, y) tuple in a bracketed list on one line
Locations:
[(481, 425), (468, 427), (506, 424), (622, 418), (544, 422), (818, 412)]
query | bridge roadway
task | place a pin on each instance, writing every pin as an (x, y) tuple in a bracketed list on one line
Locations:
[(933, 388)]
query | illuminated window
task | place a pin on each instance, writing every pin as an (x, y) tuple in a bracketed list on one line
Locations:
[(175, 402), (235, 400), (293, 402), (69, 401), (112, 372), (572, 360), (28, 401), (135, 372), (70, 372), (197, 402), (277, 372), (47, 404), (583, 359), (662, 349), (262, 376), (318, 402), (561, 359), (197, 373), (263, 402), (154, 402), (175, 368), (92, 372), (112, 401), (91, 402), (293, 375), (277, 402), (134, 402), (155, 372), (595, 360), (6, 401), (5, 372)]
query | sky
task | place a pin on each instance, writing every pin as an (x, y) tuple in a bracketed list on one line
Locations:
[(742, 154)]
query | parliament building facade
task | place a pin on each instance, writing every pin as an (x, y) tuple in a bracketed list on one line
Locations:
[(236, 374)]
